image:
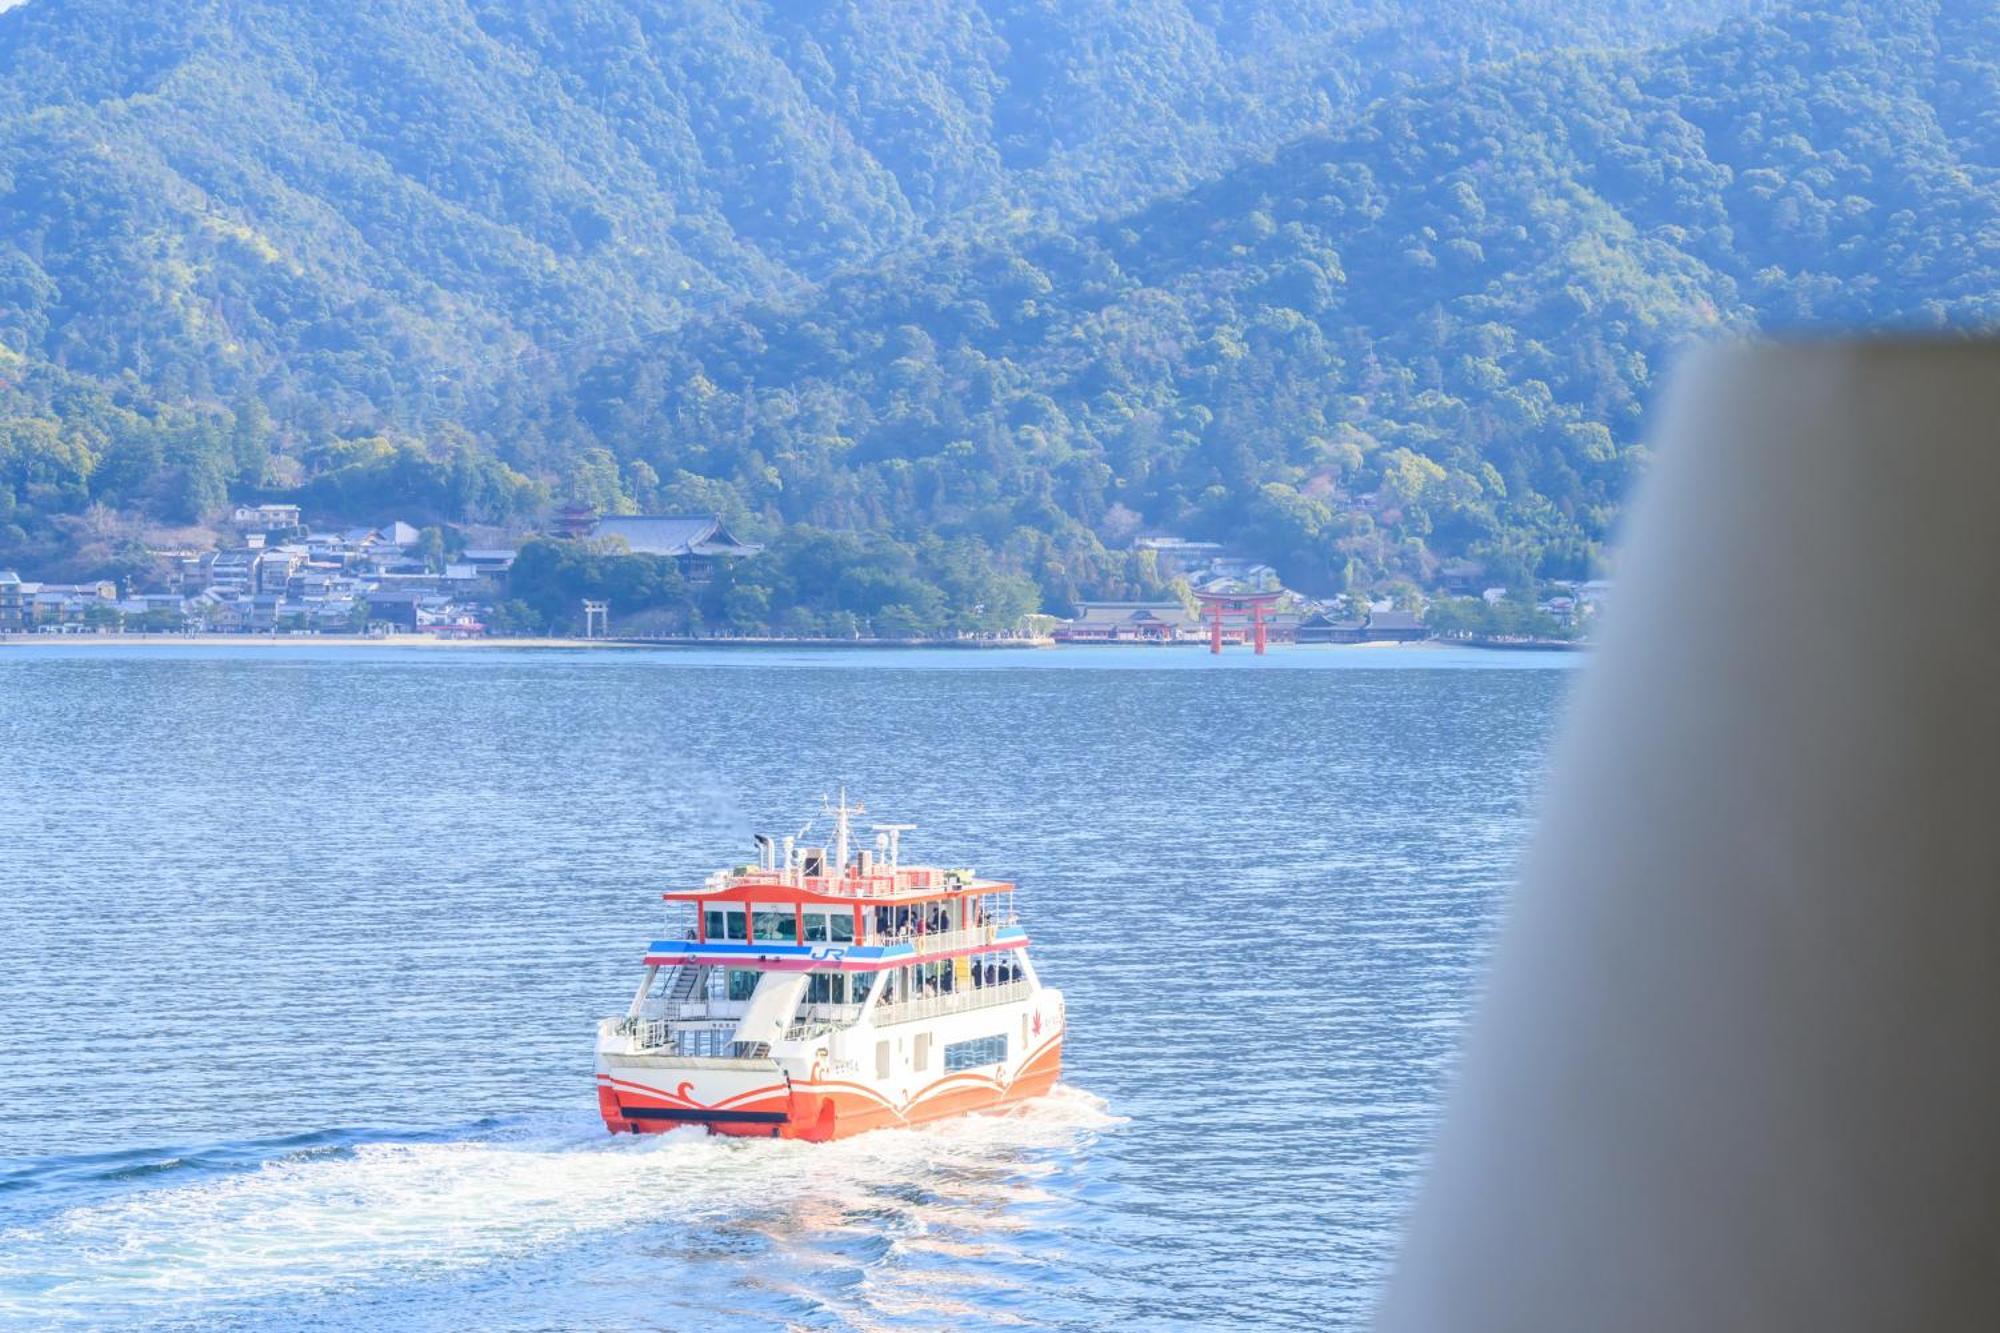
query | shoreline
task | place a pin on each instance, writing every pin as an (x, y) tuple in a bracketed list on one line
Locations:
[(427, 641)]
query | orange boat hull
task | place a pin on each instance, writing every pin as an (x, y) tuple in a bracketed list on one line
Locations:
[(821, 1110)]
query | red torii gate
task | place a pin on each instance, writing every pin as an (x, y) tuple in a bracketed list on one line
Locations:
[(1255, 605)]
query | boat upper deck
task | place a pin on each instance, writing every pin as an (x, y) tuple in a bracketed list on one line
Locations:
[(801, 905), (789, 870), (861, 884)]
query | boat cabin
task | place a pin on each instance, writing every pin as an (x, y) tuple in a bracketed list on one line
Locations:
[(808, 939)]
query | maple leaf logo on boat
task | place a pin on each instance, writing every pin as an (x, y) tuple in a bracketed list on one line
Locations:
[(1038, 1023)]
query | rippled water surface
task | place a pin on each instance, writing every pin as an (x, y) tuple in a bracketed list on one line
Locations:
[(301, 952)]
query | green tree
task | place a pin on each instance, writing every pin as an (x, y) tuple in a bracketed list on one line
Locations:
[(431, 549), (747, 607), (197, 491)]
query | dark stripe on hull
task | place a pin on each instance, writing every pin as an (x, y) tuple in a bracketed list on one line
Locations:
[(703, 1117)]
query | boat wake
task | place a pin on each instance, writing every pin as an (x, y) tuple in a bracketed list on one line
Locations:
[(165, 1235)]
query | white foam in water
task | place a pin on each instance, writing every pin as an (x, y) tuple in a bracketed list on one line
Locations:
[(320, 1222)]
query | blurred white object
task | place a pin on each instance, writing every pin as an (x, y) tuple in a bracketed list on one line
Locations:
[(1738, 1064)]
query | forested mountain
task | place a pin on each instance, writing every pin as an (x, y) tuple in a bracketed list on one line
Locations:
[(948, 272), (1428, 336), (367, 205)]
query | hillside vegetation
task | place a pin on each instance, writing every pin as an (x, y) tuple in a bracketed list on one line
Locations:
[(972, 275), (1429, 337), (356, 210)]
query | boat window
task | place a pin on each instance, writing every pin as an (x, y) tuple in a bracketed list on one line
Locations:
[(972, 1054), (742, 981), (723, 923), (842, 927), (995, 969), (815, 925), (828, 988), (936, 978), (773, 923)]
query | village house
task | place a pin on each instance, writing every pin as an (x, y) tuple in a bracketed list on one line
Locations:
[(266, 612), (140, 604), (375, 547), (71, 604), (278, 577), (17, 600), (275, 567), (182, 565), (1237, 570), (396, 608), (266, 516), (448, 619), (1178, 555), (316, 584), (460, 578), (217, 613), (490, 562), (332, 615), (233, 570)]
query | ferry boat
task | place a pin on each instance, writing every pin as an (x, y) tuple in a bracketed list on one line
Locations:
[(813, 995)]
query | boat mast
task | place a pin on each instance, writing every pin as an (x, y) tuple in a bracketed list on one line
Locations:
[(840, 814)]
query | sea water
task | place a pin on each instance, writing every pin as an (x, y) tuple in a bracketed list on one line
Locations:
[(301, 952)]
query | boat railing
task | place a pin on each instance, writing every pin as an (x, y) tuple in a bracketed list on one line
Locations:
[(943, 941), (952, 1002), (900, 885), (643, 1033), (680, 1038), (815, 1020)]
